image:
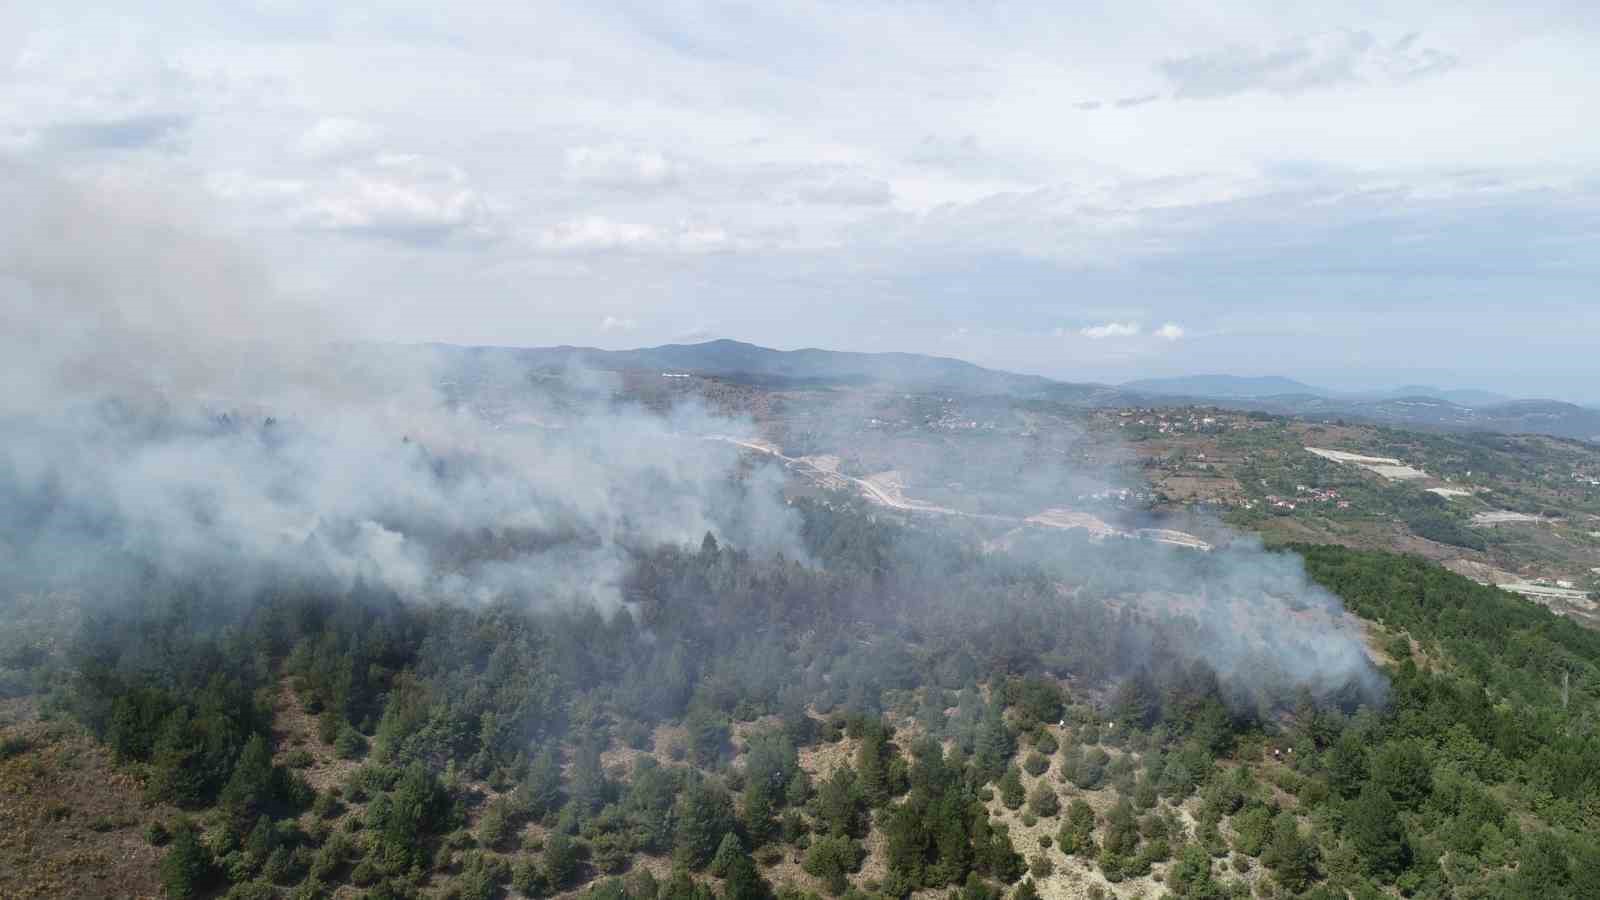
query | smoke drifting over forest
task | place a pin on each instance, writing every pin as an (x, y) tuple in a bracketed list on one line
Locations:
[(166, 408), (168, 411)]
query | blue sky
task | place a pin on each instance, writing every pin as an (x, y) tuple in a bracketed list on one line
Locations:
[(1358, 195)]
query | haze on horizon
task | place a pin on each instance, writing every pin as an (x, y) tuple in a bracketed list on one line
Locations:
[(1356, 196)]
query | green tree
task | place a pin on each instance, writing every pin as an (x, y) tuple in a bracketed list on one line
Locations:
[(839, 806), (494, 827), (832, 859), (1373, 826), (1011, 790), (1035, 764), (540, 790), (760, 810), (1077, 832), (994, 744), (1043, 802), (743, 882), (704, 815), (728, 850), (1347, 765), (560, 860), (186, 869), (349, 743), (1292, 858), (1403, 770)]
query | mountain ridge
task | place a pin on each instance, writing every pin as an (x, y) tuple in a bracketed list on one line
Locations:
[(1411, 405)]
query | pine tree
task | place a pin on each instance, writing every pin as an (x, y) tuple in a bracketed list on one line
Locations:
[(743, 882), (760, 811), (705, 814), (540, 791), (186, 868), (1011, 790), (1373, 826), (994, 745), (560, 860), (727, 851), (871, 767)]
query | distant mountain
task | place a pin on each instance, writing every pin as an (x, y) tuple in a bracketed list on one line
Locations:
[(1224, 387), (776, 368), (1411, 406), (1416, 406), (1460, 396)]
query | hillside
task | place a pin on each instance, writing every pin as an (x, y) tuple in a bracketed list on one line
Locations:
[(761, 365), (768, 369), (876, 745)]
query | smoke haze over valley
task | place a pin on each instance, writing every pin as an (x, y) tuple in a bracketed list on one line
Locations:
[(693, 451), (179, 417)]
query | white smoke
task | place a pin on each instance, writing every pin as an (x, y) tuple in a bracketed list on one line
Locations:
[(165, 405)]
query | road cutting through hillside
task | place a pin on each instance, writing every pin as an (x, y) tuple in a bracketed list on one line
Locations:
[(885, 489)]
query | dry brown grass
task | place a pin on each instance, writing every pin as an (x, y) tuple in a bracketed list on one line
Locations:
[(820, 759), (1073, 876), (71, 822), (295, 729)]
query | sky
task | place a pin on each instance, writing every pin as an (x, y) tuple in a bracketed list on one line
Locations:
[(1357, 194)]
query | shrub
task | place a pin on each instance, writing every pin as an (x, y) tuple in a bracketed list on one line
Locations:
[(349, 744), (832, 859), (326, 806), (494, 829), (157, 834), (529, 879), (1043, 802), (1035, 764)]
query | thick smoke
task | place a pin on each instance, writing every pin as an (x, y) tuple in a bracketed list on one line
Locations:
[(167, 410), (992, 465)]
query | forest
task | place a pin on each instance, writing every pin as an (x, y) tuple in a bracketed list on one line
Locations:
[(902, 713)]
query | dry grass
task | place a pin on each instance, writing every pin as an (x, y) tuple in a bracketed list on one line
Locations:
[(295, 729), (820, 759), (71, 823), (1073, 876)]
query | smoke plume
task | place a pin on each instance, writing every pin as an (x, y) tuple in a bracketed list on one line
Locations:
[(167, 409)]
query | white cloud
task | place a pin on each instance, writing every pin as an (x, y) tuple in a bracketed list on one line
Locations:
[(618, 323), (1170, 332), (592, 233), (336, 138), (1110, 330), (847, 190), (619, 166), (598, 233), (1302, 64), (946, 177), (404, 197)]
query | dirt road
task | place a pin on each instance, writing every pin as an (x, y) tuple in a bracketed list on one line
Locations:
[(885, 489)]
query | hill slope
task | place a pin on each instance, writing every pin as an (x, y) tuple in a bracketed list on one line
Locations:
[(735, 359)]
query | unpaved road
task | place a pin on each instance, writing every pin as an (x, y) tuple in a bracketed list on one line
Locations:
[(884, 489)]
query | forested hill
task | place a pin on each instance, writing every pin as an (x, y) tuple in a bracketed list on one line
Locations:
[(763, 365), (909, 714)]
